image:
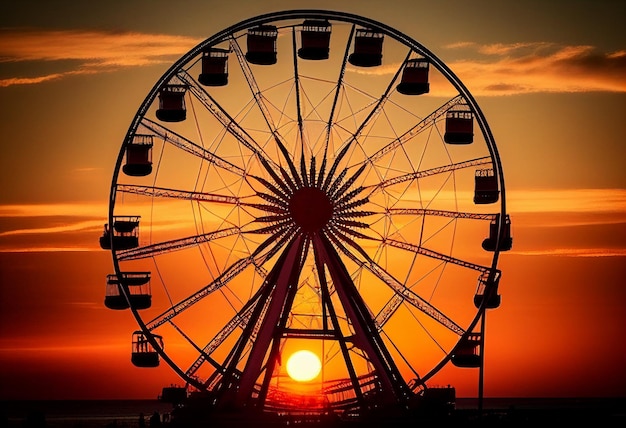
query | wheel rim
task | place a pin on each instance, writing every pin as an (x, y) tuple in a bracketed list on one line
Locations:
[(287, 168)]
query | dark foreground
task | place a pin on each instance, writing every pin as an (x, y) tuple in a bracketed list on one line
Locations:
[(610, 412)]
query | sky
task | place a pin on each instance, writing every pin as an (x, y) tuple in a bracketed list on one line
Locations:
[(550, 78)]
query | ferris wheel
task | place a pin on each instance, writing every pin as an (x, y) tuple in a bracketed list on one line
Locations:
[(307, 181)]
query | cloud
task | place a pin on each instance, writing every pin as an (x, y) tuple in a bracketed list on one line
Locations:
[(541, 67), (8, 349), (570, 223), (525, 68), (33, 80), (76, 227), (86, 52), (594, 201), (51, 227), (46, 210), (575, 252)]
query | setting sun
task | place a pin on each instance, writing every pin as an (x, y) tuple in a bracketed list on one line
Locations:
[(303, 366)]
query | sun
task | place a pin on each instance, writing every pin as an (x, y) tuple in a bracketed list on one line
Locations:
[(303, 366)]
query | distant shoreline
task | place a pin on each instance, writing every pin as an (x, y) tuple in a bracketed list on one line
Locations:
[(538, 402)]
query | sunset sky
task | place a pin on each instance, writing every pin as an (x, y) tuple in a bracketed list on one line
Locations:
[(550, 77)]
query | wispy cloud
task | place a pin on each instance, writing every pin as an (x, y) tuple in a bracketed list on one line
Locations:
[(569, 200), (575, 252), (524, 68), (8, 349), (75, 227), (40, 249), (87, 52), (575, 223), (542, 67), (72, 227), (47, 210)]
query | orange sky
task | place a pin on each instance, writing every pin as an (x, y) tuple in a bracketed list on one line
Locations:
[(549, 76)]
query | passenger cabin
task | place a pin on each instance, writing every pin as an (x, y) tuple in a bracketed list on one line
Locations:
[(467, 352), (459, 125), (172, 103), (139, 156), (368, 48), (137, 285), (506, 241), (315, 39), (124, 234), (415, 77), (488, 289), (261, 42), (214, 67), (485, 187), (143, 353)]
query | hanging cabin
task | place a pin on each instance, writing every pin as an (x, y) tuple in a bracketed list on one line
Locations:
[(214, 67), (368, 48), (467, 352), (139, 156), (415, 77), (172, 103), (459, 125), (315, 39), (261, 43), (124, 234), (114, 297), (485, 186), (488, 289), (143, 353), (138, 291), (506, 241)]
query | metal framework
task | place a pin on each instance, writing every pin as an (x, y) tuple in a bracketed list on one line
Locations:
[(308, 203)]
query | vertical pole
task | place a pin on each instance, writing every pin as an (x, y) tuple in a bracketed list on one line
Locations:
[(481, 372)]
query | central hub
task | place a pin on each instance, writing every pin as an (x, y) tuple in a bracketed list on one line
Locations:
[(310, 208)]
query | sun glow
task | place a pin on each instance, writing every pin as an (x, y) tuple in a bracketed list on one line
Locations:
[(303, 366)]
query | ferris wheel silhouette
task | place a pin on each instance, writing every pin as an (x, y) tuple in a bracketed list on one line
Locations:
[(311, 180)]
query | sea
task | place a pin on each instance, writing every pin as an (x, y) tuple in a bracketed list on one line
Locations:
[(126, 413)]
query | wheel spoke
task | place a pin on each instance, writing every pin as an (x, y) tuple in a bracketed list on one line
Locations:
[(161, 192), (188, 146), (398, 288), (240, 320), (296, 75), (423, 125), (258, 97), (377, 107), (338, 90), (228, 122), (441, 213), (175, 244), (433, 171), (416, 249), (258, 258)]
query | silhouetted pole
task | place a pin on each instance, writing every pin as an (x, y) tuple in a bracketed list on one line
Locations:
[(482, 364)]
